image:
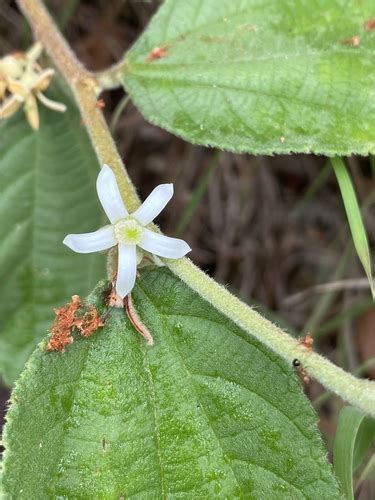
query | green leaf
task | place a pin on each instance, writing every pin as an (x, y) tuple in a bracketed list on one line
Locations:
[(208, 412), (1, 480), (348, 425), (261, 77), (353, 213), (47, 190), (364, 440)]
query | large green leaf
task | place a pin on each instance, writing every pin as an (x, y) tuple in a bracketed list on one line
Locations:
[(208, 412), (263, 77), (47, 190)]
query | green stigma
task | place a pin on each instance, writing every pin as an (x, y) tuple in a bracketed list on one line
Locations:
[(128, 231)]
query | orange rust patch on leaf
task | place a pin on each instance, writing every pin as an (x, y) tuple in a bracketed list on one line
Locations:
[(59, 340), (370, 24), (61, 334), (353, 41), (89, 322), (157, 53), (67, 318)]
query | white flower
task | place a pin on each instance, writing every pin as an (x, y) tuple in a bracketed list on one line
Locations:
[(22, 83), (128, 230)]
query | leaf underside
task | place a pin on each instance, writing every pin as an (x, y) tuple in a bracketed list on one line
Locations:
[(208, 412), (250, 76), (47, 190)]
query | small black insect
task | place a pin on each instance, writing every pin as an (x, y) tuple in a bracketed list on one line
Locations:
[(296, 363)]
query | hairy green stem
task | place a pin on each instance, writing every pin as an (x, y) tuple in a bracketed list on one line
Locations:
[(359, 393)]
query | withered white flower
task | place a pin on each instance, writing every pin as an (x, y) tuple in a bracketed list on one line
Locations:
[(22, 82), (128, 231)]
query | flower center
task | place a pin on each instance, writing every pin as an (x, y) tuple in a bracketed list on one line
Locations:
[(128, 231)]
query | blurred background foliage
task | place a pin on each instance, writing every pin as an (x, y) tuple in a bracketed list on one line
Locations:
[(274, 228)]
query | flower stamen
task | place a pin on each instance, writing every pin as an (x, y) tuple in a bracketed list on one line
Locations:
[(128, 231)]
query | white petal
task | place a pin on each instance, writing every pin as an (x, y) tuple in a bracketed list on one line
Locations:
[(164, 246), (109, 194), (34, 52), (154, 204), (56, 106), (127, 269), (102, 239)]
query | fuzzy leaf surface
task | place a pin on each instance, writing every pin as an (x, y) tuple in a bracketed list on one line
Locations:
[(47, 190), (208, 412), (259, 77)]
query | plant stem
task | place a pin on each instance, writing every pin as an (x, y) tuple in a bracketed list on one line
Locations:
[(359, 393), (85, 88)]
